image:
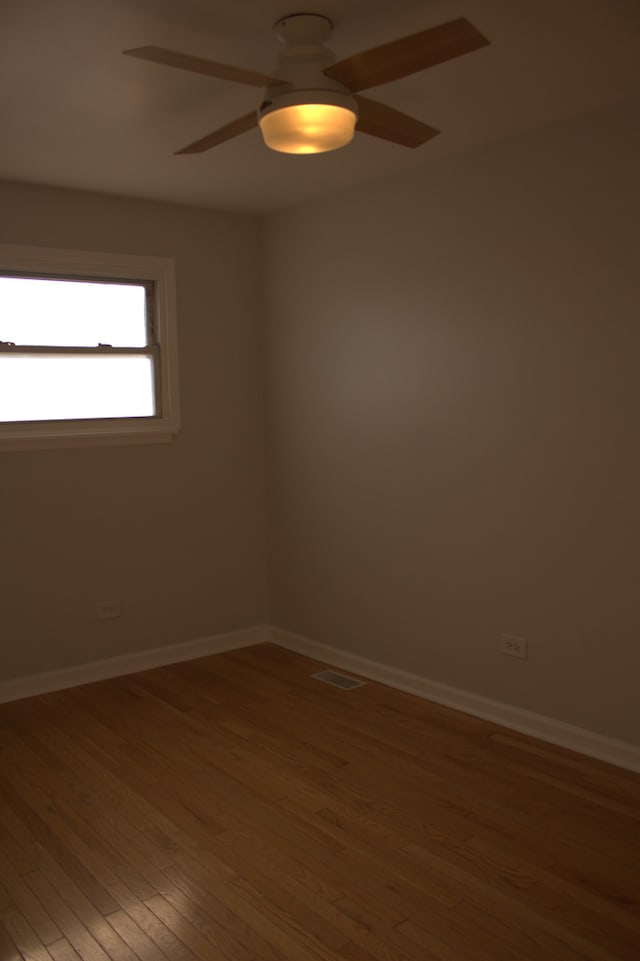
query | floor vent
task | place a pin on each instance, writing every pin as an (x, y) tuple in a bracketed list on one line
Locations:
[(338, 680)]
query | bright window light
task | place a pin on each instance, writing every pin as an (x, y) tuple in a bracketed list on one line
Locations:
[(88, 348), (75, 386), (70, 313), (74, 350)]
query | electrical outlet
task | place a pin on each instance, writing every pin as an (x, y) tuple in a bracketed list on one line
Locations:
[(107, 610), (513, 646)]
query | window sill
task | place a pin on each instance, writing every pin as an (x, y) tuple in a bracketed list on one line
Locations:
[(55, 440)]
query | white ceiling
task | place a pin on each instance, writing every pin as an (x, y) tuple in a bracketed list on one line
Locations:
[(74, 112)]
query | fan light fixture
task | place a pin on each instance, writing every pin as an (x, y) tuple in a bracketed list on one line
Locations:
[(311, 103), (308, 121)]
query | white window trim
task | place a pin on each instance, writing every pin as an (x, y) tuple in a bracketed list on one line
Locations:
[(80, 433)]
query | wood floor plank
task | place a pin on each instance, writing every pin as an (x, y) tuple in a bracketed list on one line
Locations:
[(211, 932), (158, 932), (141, 946), (137, 839), (45, 929), (289, 892), (17, 933), (16, 842), (63, 951), (8, 949), (235, 809), (611, 782), (450, 942), (71, 926), (56, 827), (86, 913)]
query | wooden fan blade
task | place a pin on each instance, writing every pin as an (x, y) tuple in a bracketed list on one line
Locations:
[(170, 58), (400, 58), (381, 121), (227, 132)]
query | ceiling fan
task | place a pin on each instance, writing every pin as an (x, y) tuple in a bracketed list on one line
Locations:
[(311, 103)]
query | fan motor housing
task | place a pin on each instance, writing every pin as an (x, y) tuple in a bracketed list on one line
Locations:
[(304, 58)]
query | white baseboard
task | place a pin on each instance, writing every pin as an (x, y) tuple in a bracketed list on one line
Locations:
[(545, 728), (17, 688)]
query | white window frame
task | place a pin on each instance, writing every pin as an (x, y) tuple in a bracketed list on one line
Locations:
[(91, 264)]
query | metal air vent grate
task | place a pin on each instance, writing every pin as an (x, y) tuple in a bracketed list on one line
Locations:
[(338, 680)]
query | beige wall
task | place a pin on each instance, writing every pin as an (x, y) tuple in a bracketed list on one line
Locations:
[(453, 443), (176, 531), (453, 398)]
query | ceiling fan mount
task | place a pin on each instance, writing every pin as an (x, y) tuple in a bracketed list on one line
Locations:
[(312, 104), (303, 28)]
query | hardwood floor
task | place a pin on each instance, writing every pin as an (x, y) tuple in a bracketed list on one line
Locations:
[(234, 809)]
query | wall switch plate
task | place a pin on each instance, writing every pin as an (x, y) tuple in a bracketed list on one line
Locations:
[(513, 646), (107, 610)]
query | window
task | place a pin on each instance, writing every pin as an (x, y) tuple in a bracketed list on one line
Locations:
[(87, 348)]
